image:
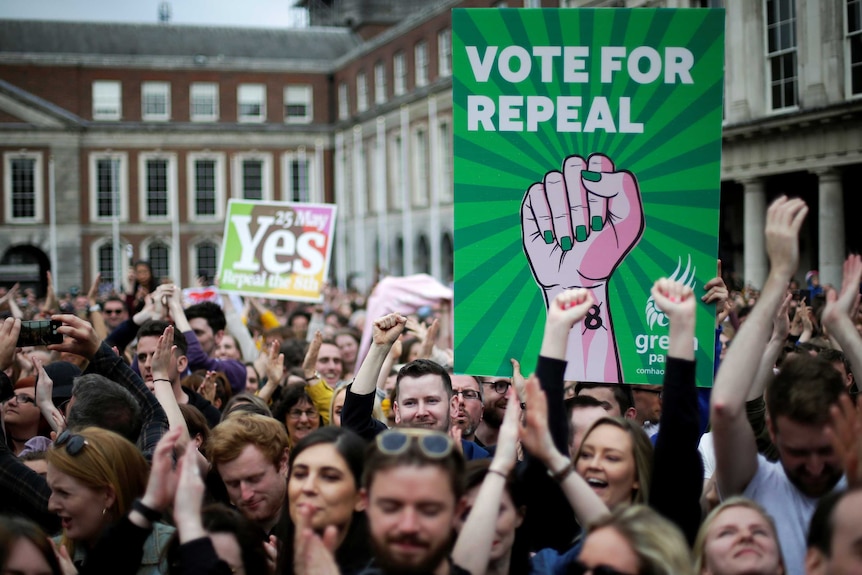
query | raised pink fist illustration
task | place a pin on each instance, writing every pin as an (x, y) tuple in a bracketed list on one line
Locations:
[(578, 226)]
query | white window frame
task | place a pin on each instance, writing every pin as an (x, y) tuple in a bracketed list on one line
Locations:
[(156, 90), (107, 106), (38, 187), (444, 52), (145, 252), (299, 94), (251, 94), (204, 90), (420, 63), (419, 166), (848, 51), (191, 186), (395, 177), (287, 160), (266, 173), (94, 259), (343, 101), (143, 192), (380, 83), (123, 159), (192, 271), (446, 168), (361, 92), (778, 54), (399, 74)]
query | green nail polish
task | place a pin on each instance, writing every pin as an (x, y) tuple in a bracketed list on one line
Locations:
[(591, 176), (566, 243), (596, 223), (549, 236), (581, 233)]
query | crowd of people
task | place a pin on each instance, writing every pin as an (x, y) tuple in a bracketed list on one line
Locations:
[(261, 437)]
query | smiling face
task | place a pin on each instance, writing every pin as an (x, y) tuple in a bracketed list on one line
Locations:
[(79, 507), (348, 347), (422, 402), (329, 363), (320, 480), (606, 460), (740, 540), (301, 419), (227, 348), (807, 455)]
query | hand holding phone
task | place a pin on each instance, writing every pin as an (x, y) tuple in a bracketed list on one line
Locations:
[(39, 332)]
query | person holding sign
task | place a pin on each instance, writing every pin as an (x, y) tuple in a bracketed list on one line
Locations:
[(578, 225)]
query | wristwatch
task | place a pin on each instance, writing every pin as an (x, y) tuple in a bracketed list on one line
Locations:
[(95, 307)]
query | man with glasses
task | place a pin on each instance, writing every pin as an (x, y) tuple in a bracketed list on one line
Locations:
[(423, 391), (115, 312), (413, 488), (467, 405), (494, 400)]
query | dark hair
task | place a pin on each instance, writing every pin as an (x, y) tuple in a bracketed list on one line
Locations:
[(13, 529), (574, 403), (804, 390), (836, 356), (422, 367), (156, 327), (406, 344), (117, 299), (223, 391), (301, 312), (294, 352), (353, 551), (210, 311), (219, 518), (100, 402), (247, 403), (475, 473), (452, 465), (622, 393), (292, 395), (153, 283), (822, 526), (196, 424)]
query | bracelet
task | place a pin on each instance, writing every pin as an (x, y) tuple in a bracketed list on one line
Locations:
[(162, 379), (560, 476), (314, 377), (500, 473), (149, 513)]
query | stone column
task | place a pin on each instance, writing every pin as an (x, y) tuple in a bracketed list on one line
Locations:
[(830, 221), (755, 263)]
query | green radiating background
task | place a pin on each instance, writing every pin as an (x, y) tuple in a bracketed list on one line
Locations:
[(499, 308)]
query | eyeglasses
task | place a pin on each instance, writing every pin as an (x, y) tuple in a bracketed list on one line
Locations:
[(467, 393), (297, 414), (501, 386), (24, 398), (112, 311), (433, 444), (578, 568), (74, 443)]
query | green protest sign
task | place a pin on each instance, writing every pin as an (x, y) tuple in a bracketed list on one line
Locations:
[(277, 250), (587, 154)]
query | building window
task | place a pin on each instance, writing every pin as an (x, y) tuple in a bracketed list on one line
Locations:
[(369, 156), (444, 52), (298, 177), (420, 166), (105, 261), (157, 175), (23, 187), (399, 73), (107, 100), (206, 257), (156, 101), (781, 52), (207, 185), (396, 173), (422, 261), (298, 104), (854, 39), (361, 92), (447, 266), (343, 104), (251, 102), (109, 187), (444, 139), (204, 102), (420, 56), (252, 177), (159, 256), (379, 83), (532, 3)]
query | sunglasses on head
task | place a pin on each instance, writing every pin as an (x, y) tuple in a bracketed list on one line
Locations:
[(74, 443), (578, 568), (433, 444)]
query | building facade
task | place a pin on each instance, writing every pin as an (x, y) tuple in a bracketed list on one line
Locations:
[(125, 142)]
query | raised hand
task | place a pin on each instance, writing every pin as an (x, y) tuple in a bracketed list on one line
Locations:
[(387, 329), (783, 220), (162, 483), (44, 399), (79, 336), (840, 306), (310, 361), (673, 298), (10, 328)]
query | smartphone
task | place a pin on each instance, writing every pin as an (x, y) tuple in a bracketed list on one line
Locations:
[(39, 332), (802, 295)]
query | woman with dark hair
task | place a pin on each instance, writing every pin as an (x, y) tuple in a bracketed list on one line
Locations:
[(24, 548), (323, 481), (142, 282), (297, 412)]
